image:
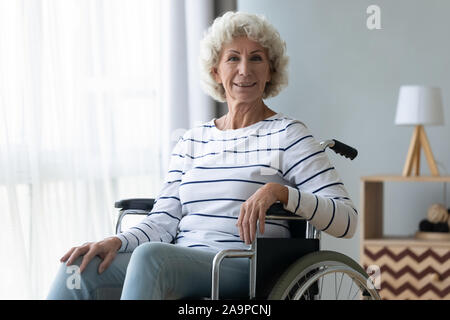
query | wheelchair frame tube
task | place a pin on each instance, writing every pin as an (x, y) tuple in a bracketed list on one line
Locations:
[(234, 253), (123, 213), (311, 231)]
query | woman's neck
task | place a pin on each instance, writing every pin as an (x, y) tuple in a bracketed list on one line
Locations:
[(244, 115)]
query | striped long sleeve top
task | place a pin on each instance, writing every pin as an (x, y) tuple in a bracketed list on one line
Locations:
[(213, 172)]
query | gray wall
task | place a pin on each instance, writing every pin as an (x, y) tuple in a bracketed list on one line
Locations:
[(344, 81)]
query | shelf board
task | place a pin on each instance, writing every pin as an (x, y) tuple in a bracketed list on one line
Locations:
[(405, 240), (399, 178)]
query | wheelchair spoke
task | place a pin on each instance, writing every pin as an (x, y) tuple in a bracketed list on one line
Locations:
[(356, 293), (349, 291), (340, 284)]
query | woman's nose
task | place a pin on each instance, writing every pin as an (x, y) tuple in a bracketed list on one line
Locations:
[(244, 67)]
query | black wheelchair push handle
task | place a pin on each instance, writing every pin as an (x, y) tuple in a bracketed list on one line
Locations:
[(343, 149)]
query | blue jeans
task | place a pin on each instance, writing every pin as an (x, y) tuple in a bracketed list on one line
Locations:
[(154, 271)]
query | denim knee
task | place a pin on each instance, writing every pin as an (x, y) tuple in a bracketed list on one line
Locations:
[(154, 253), (70, 284)]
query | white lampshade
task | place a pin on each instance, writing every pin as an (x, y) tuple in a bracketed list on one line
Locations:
[(419, 105)]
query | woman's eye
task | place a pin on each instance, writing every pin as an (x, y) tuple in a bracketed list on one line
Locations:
[(253, 58)]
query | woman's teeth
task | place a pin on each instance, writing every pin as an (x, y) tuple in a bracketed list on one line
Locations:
[(245, 84)]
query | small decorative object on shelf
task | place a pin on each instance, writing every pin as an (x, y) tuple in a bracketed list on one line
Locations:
[(436, 225), (437, 213), (448, 221)]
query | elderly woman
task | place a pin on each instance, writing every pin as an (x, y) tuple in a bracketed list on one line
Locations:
[(222, 178)]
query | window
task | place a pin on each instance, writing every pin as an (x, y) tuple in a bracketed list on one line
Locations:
[(79, 127)]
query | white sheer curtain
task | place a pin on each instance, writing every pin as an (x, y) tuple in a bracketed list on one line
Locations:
[(80, 127), (93, 94)]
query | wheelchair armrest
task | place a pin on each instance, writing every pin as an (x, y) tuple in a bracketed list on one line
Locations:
[(139, 204), (277, 212), (298, 225)]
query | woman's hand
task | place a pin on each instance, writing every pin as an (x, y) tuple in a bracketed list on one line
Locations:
[(255, 209), (106, 249)]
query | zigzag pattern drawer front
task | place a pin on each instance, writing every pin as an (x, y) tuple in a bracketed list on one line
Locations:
[(410, 272)]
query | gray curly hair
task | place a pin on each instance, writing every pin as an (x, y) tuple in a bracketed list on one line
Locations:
[(256, 27)]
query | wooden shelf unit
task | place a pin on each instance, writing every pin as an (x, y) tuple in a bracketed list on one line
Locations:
[(410, 268), (372, 198)]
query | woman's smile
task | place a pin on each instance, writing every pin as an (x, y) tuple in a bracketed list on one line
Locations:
[(245, 85)]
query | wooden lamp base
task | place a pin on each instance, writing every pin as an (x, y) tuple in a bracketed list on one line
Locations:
[(419, 140)]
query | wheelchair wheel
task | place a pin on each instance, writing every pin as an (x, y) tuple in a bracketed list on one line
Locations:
[(324, 275)]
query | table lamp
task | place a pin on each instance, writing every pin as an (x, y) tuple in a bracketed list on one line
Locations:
[(419, 106)]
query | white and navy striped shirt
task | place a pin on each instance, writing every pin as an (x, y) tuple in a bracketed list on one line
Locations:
[(213, 172)]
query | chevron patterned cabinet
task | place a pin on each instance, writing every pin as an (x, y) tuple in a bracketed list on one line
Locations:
[(408, 268)]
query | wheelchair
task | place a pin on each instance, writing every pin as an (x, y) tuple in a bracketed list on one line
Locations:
[(287, 268)]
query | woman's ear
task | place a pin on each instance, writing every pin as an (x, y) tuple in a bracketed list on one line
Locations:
[(216, 75), (269, 76)]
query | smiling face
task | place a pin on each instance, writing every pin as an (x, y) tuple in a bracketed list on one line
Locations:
[(243, 70)]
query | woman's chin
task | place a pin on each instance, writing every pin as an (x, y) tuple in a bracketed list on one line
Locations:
[(245, 96)]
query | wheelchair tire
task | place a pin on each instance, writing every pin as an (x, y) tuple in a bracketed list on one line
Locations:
[(304, 279)]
